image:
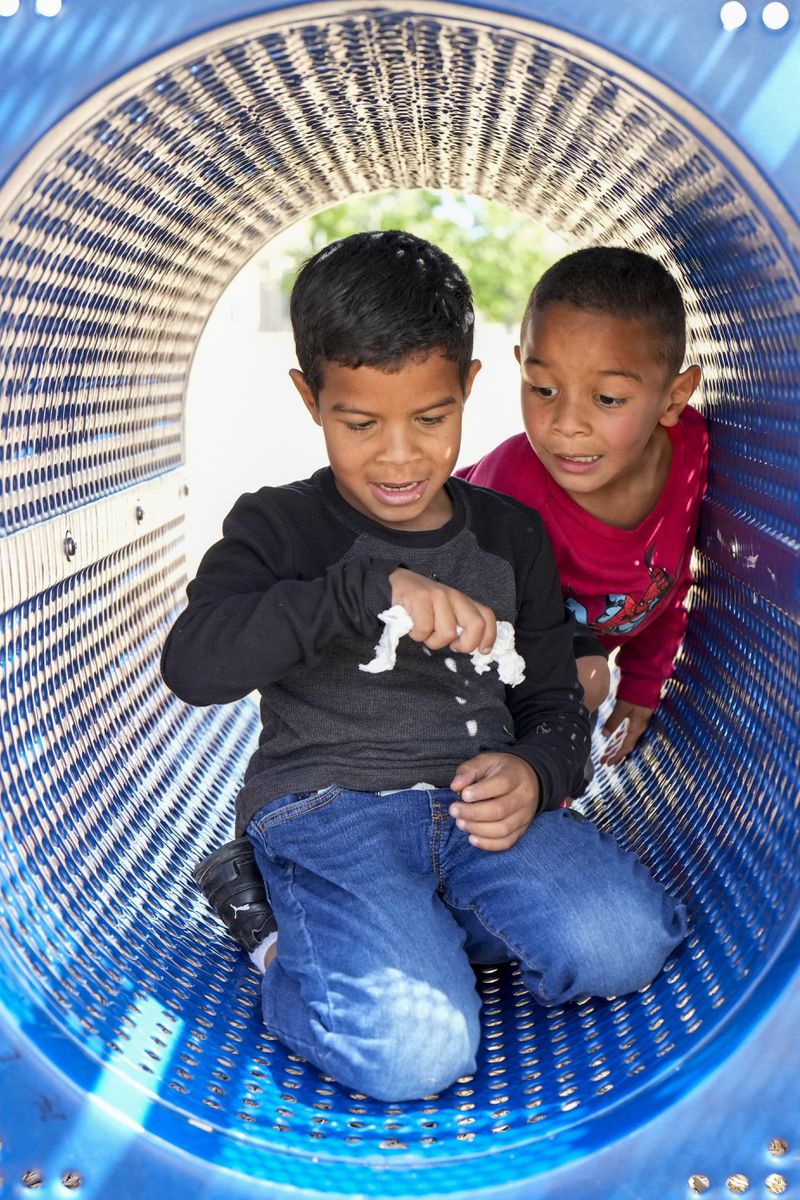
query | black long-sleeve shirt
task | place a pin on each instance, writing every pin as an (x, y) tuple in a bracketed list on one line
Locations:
[(288, 601)]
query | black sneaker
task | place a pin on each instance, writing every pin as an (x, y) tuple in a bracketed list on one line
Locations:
[(231, 883)]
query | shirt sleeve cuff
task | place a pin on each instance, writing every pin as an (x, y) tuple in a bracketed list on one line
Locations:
[(555, 782), (585, 644), (377, 588), (637, 689)]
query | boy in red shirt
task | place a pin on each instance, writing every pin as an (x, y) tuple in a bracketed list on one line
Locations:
[(616, 463)]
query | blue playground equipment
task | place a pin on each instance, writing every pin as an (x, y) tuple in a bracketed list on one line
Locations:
[(148, 149)]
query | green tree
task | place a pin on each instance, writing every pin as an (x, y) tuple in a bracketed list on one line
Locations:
[(502, 252)]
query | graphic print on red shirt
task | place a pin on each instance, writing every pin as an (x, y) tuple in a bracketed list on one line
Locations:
[(624, 614)]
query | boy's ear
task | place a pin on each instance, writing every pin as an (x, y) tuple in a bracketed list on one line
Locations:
[(680, 392), (518, 355), (309, 399), (474, 367)]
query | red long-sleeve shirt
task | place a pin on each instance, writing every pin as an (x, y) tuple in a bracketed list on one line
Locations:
[(626, 586)]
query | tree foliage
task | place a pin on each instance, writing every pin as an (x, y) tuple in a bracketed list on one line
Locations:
[(502, 252)]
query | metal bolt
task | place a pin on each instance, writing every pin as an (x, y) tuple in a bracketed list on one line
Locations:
[(33, 1179), (70, 545), (699, 1184), (139, 514), (778, 1146), (738, 1184), (776, 1184), (186, 489), (71, 1180)]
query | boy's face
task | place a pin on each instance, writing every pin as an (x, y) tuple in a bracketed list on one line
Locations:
[(392, 437), (594, 394)]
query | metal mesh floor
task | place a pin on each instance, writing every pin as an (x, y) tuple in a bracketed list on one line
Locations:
[(113, 251)]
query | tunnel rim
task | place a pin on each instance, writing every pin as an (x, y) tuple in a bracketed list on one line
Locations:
[(731, 153), (770, 204)]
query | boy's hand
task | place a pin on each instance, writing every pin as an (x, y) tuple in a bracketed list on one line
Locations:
[(638, 718), (499, 797), (439, 611)]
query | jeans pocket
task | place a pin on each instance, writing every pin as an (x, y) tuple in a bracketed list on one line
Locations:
[(292, 806)]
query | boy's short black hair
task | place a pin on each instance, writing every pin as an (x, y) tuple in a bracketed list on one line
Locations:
[(621, 282), (377, 299)]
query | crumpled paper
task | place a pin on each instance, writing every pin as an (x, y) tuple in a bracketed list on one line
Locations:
[(510, 665), (397, 622)]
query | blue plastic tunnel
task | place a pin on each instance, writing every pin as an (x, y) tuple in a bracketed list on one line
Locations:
[(147, 150)]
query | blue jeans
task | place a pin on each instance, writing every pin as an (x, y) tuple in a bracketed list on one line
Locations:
[(382, 903)]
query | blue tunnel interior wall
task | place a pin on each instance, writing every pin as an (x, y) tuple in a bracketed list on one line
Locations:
[(118, 235)]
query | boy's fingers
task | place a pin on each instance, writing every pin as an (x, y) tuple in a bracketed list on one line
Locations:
[(465, 774), (492, 830), (476, 621), (420, 631), (489, 633), (472, 628), (618, 722), (485, 842), (620, 747), (491, 629), (470, 771), (445, 624), (481, 810), (617, 736), (487, 787)]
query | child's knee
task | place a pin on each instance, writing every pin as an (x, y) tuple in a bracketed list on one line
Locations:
[(620, 958), (402, 1068), (613, 948), (414, 1041), (610, 926), (595, 679)]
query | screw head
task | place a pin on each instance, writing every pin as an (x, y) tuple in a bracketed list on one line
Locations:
[(699, 1184), (776, 1184), (33, 1179), (139, 514), (778, 1147), (71, 1180), (70, 545)]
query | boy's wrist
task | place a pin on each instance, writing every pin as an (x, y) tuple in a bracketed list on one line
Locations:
[(378, 590)]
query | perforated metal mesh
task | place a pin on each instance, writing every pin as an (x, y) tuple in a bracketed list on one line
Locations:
[(111, 258)]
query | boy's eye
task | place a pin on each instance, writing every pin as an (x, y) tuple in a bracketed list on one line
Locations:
[(361, 426), (547, 393), (610, 401), (432, 420)]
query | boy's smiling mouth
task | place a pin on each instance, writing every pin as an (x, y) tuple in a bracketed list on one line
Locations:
[(399, 493), (577, 463)]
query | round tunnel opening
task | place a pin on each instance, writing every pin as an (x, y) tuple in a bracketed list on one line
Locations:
[(116, 245), (246, 349)]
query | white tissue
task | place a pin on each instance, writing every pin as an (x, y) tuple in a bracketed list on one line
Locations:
[(510, 665), (398, 623)]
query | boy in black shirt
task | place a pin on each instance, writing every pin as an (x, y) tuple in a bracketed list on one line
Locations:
[(406, 821)]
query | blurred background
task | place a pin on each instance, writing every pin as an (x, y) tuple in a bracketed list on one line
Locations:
[(243, 359)]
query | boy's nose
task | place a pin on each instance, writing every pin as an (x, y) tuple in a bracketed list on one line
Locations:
[(399, 447), (571, 416)]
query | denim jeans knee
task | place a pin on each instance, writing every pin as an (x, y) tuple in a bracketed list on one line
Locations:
[(411, 1041), (582, 916), (370, 981), (620, 948)]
